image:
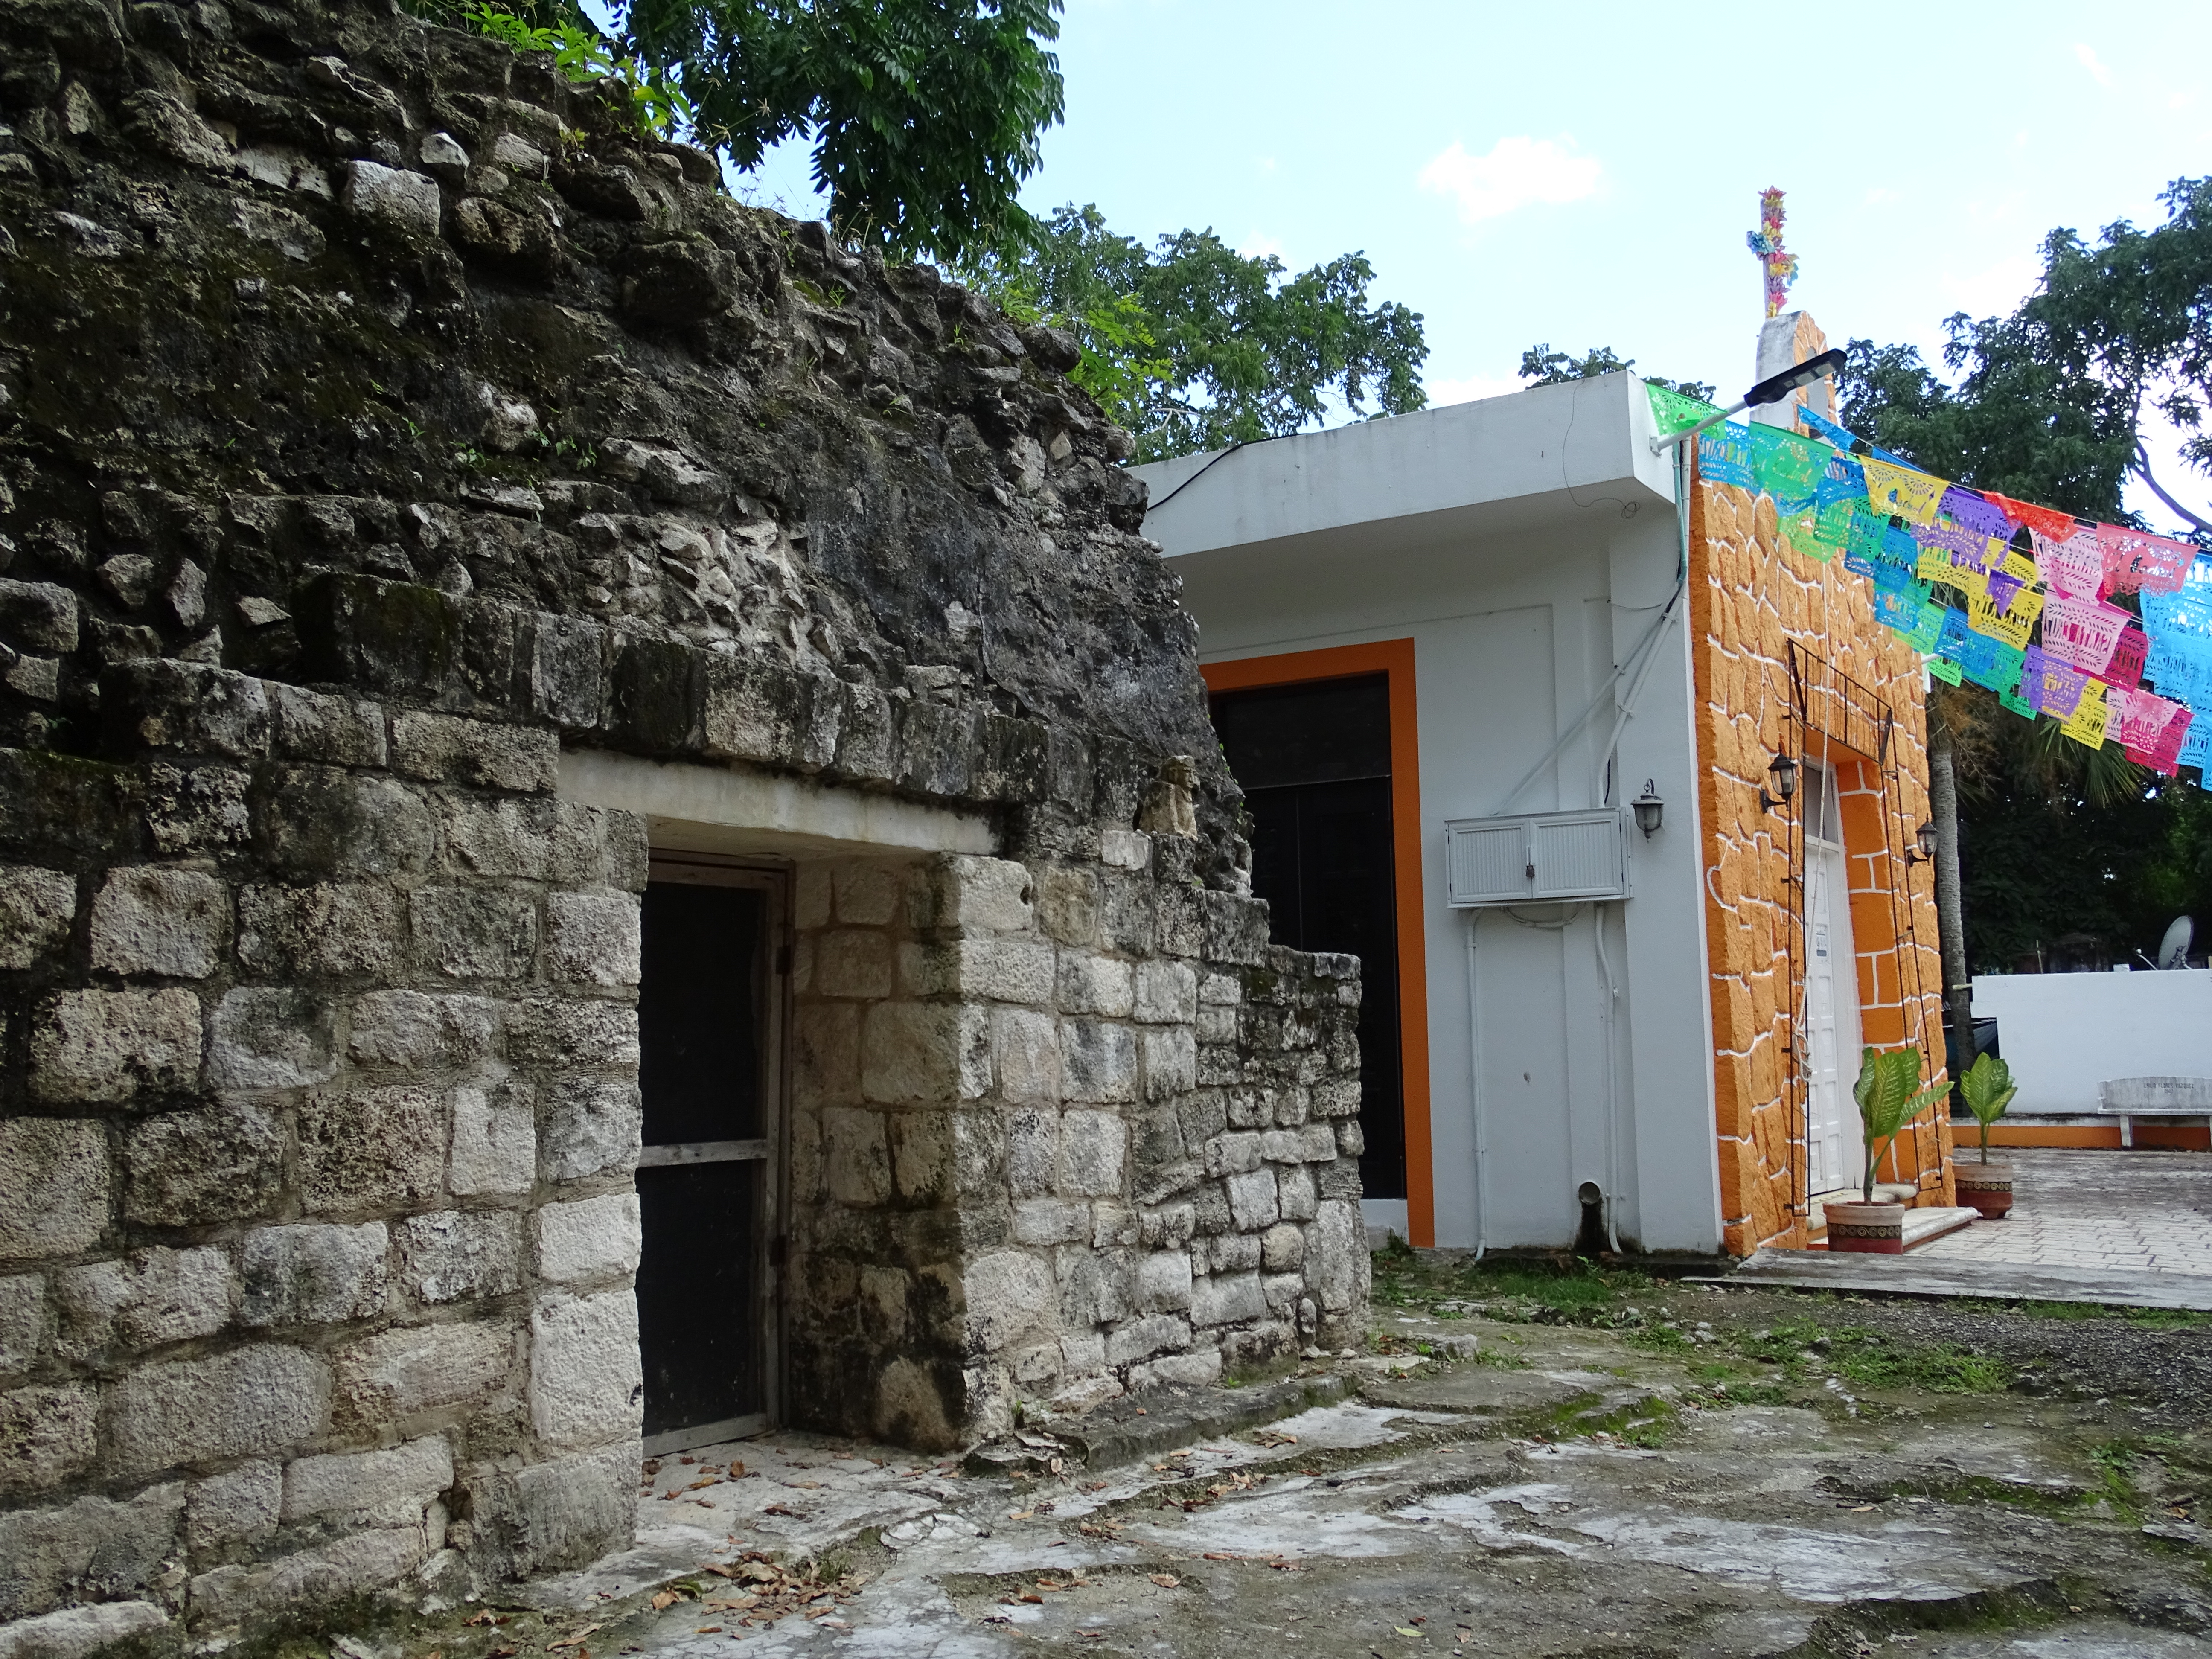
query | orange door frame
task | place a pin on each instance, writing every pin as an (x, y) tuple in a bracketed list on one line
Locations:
[(1393, 657)]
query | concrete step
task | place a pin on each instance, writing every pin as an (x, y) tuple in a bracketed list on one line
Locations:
[(1940, 1276), (1921, 1225)]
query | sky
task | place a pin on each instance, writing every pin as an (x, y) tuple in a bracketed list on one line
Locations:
[(1585, 175)]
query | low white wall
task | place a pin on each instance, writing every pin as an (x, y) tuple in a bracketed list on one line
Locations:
[(2063, 1034)]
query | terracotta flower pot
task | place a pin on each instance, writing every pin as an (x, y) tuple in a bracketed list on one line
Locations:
[(1987, 1186), (1869, 1229)]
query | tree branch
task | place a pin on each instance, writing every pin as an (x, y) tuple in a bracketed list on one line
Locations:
[(2143, 471)]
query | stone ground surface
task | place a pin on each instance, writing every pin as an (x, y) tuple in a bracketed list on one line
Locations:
[(1623, 1466), (2118, 1210)]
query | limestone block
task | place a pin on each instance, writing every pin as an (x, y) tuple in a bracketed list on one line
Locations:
[(150, 919), (238, 1507), (1009, 1296), (39, 617), (589, 1238), (313, 1274), (598, 847), (1229, 1253), (1205, 1113), (562, 1513), (1167, 992), (398, 1373), (1032, 1151), (421, 1032), (23, 1325), (78, 1632), (1282, 1248), (54, 1186), (474, 933), (494, 1147), (316, 727), (48, 1435), (1337, 1265), (1201, 1370), (594, 939), (450, 1255), (586, 1381), (328, 930), (503, 836), (270, 1037), (393, 199), (323, 820), (442, 748), (925, 1052), (94, 1546), (1125, 849), (1237, 1152), (1099, 1061), (1128, 914), (1295, 1194), (365, 1148), (923, 1156), (825, 1053), (867, 893), (1226, 1299), (856, 1156), (813, 897), (112, 1046), (1113, 1225), (592, 1128), (1170, 1062), (183, 707), (852, 963), (572, 1034), (1093, 1153), (1252, 1199), (1025, 1055), (985, 896), (330, 1573), (1092, 984), (979, 1154), (194, 1169), (1001, 969), (384, 1488), (36, 908), (248, 1402), (1164, 1281), (1141, 1338), (1040, 1221), (1067, 905), (148, 1298)]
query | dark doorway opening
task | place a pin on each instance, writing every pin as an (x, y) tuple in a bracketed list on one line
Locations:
[(709, 1011), (1313, 761)]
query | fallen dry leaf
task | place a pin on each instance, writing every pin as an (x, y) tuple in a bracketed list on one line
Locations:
[(576, 1640), (1218, 1555), (1166, 1580), (707, 1630), (483, 1617), (664, 1599)]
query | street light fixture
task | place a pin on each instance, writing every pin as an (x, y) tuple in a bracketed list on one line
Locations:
[(1784, 770), (1924, 851), (1649, 810), (1772, 390)]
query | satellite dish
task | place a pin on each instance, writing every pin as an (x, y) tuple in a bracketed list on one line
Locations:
[(2173, 949)]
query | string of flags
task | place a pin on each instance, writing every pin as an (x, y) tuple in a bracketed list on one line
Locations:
[(2012, 597)]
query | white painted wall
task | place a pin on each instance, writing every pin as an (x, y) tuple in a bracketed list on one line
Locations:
[(1525, 544), (2063, 1034)]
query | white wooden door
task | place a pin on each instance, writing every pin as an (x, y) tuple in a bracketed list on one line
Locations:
[(1831, 1010)]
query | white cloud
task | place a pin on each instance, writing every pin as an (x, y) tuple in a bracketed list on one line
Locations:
[(2086, 56), (1468, 390), (1516, 171)]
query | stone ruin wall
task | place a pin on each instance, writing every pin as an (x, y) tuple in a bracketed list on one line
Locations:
[(378, 423)]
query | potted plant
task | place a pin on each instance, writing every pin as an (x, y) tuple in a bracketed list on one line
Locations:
[(1988, 1089), (1889, 1098)]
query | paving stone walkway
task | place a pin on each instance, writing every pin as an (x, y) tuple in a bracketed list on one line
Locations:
[(2147, 1212)]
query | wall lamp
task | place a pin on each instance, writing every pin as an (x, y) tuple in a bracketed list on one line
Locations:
[(1772, 390), (1784, 770), (1924, 852), (1649, 810)]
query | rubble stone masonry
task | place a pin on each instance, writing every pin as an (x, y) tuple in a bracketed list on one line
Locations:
[(382, 424)]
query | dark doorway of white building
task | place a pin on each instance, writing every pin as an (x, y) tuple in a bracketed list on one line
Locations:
[(1313, 761), (710, 1019)]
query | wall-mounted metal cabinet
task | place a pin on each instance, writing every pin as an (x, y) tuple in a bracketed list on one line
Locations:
[(1536, 858)]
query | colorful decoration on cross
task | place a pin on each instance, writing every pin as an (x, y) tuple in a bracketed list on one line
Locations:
[(1776, 264), (2003, 594)]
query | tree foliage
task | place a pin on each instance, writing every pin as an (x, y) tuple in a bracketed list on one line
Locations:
[(924, 115), (1541, 366), (1193, 346), (2044, 405)]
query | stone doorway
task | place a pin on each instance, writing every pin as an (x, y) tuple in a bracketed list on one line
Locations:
[(712, 1017)]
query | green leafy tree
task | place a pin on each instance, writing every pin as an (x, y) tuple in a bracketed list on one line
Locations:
[(924, 115), (1541, 366), (1193, 346)]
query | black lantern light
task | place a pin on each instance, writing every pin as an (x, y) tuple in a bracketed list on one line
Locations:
[(1784, 770), (1924, 853), (1649, 810)]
